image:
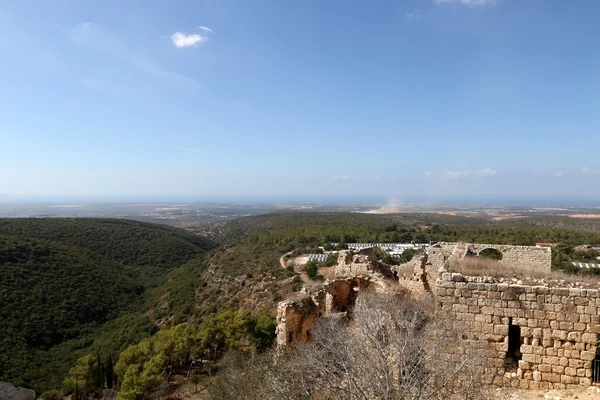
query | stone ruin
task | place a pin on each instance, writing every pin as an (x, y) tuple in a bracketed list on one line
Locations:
[(531, 336), (296, 318)]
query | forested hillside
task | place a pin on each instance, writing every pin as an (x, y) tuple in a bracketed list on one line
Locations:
[(51, 293), (129, 242), (86, 289), (67, 285)]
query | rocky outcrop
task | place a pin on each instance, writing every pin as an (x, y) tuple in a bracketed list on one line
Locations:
[(11, 392)]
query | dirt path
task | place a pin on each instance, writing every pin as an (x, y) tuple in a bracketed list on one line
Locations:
[(282, 259)]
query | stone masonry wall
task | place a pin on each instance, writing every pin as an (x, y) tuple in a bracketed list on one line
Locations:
[(532, 258), (527, 258), (558, 329)]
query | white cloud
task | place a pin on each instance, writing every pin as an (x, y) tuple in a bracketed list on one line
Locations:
[(341, 177), (589, 171), (206, 29), (428, 173), (94, 37), (481, 173), (486, 172), (183, 40), (470, 3), (414, 15), (458, 174)]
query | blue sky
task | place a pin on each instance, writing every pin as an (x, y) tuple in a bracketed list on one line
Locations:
[(430, 98)]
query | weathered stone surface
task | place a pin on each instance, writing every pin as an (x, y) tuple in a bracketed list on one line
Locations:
[(558, 329), (10, 392), (294, 321)]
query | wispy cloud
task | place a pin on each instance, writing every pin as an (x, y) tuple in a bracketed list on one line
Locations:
[(206, 29), (486, 172), (94, 37), (413, 15), (341, 177), (180, 39), (470, 3), (186, 148), (589, 171)]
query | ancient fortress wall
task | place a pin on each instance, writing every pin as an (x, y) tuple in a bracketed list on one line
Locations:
[(538, 259), (555, 329)]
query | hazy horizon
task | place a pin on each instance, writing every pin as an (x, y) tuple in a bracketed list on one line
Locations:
[(388, 201)]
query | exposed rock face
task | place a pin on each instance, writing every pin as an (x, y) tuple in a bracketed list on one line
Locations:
[(10, 392)]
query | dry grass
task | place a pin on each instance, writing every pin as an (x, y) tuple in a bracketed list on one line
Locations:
[(473, 266)]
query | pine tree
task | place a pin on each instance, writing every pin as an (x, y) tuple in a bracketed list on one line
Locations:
[(110, 375)]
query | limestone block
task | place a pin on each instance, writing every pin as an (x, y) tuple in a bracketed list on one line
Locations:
[(566, 326), (544, 368), (587, 355), (550, 360), (526, 349), (594, 328), (589, 338), (574, 363), (524, 365), (585, 381), (574, 353), (580, 326), (563, 361), (571, 371), (551, 377), (582, 301), (501, 330), (528, 358), (558, 369)]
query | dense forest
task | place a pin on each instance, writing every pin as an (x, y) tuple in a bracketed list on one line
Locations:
[(129, 242), (69, 284), (77, 293)]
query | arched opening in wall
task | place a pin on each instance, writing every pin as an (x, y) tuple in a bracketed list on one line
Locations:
[(492, 254), (513, 355)]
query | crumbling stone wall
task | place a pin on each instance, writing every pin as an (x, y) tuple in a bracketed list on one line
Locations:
[(294, 320), (558, 329), (360, 263), (538, 259), (415, 275)]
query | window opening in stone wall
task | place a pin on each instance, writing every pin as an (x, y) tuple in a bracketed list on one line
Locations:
[(596, 362), (492, 254), (513, 355)]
